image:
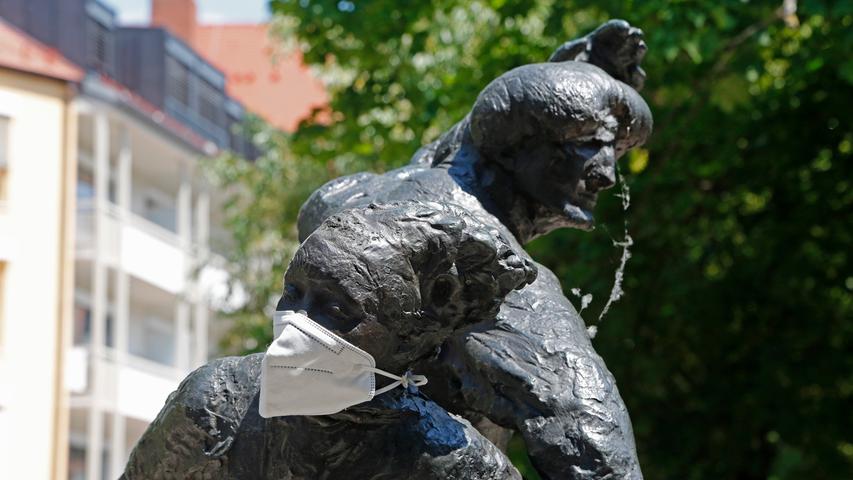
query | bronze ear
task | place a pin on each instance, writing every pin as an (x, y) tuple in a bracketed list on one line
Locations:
[(441, 297), (466, 278)]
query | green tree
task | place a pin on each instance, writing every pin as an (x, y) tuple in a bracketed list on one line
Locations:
[(732, 345)]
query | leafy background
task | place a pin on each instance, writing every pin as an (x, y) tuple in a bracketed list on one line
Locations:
[(732, 345)]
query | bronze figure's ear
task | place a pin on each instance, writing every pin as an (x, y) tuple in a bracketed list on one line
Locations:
[(468, 268)]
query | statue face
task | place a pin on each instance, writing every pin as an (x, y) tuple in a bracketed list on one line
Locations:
[(363, 290), (323, 280), (557, 130), (564, 179), (322, 296)]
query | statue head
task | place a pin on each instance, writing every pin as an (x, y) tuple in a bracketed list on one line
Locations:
[(555, 131), (398, 279)]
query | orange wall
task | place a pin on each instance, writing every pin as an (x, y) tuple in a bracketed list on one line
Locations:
[(282, 92)]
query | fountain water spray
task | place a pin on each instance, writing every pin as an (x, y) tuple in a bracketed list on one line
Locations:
[(616, 291)]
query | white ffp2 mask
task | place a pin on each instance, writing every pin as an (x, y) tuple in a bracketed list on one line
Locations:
[(309, 370)]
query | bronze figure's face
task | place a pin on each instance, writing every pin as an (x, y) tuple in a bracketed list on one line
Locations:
[(575, 171), (558, 129)]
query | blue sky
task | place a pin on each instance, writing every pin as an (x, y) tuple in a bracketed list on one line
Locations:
[(209, 11)]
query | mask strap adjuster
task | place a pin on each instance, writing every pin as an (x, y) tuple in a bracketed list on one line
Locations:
[(407, 379)]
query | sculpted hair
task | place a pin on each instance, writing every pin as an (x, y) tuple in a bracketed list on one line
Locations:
[(462, 269), (557, 102)]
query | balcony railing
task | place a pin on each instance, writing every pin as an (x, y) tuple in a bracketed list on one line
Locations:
[(154, 229), (141, 247), (132, 386), (86, 208)]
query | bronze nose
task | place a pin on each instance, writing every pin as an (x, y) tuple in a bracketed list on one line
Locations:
[(599, 177)]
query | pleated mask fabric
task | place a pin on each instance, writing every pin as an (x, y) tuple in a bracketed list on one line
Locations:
[(309, 370)]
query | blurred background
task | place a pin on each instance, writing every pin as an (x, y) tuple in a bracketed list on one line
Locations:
[(154, 155)]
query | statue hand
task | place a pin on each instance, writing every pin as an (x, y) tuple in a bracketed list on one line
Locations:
[(616, 47)]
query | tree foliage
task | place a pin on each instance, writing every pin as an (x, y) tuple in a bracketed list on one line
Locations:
[(732, 345)]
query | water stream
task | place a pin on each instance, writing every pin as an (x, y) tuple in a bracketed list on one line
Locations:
[(616, 291), (625, 244)]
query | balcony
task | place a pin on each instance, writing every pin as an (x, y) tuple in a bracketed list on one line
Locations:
[(128, 384), (181, 83), (139, 246), (149, 340)]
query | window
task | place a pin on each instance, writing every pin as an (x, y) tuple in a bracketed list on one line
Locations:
[(178, 85), (83, 326), (77, 461), (235, 137), (210, 103), (157, 208), (85, 183), (99, 48), (154, 340), (4, 157)]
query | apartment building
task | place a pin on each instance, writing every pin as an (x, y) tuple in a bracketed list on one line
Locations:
[(140, 249), (271, 83), (142, 256)]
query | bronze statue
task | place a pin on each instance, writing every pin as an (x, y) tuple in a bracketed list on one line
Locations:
[(423, 267)]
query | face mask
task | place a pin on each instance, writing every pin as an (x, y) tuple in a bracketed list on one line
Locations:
[(309, 370)]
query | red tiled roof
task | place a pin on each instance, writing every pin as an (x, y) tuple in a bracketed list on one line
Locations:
[(19, 51), (282, 92)]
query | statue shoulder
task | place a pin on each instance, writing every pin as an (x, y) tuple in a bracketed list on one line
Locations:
[(350, 191), (327, 200), (199, 422)]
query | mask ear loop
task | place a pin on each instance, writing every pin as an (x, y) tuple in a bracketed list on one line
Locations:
[(407, 379)]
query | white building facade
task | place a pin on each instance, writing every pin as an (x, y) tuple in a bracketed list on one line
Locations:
[(144, 280), (111, 239)]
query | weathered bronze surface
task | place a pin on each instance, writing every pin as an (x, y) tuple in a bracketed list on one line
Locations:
[(423, 267)]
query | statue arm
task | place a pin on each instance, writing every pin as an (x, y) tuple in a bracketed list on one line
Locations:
[(536, 372), (616, 47), (194, 434), (210, 428)]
